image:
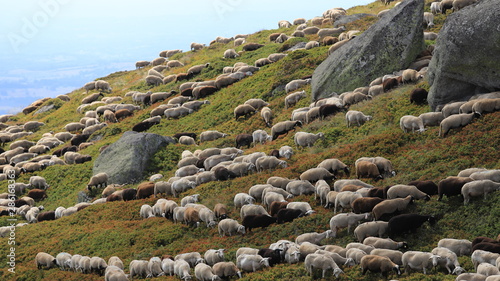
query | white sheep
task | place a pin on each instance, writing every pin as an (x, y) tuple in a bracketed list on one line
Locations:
[(226, 269), (293, 98), (302, 206), (478, 188), (431, 118), (192, 258), (402, 191), (286, 152), (322, 262), (146, 211), (269, 163), (230, 227), (493, 175), (296, 84), (435, 8), (410, 122), (486, 106), (450, 262), (344, 199), (313, 237), (241, 199), (417, 260), (84, 264), (454, 121), (213, 256), (346, 220), (260, 136), (304, 139), (251, 263), (373, 228), (211, 135), (98, 180), (394, 255), (256, 190), (356, 117), (480, 256), (246, 251), (252, 209), (182, 269), (204, 272), (299, 187), (38, 182), (182, 185), (487, 269)]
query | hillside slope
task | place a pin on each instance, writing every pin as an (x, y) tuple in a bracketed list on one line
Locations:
[(115, 228)]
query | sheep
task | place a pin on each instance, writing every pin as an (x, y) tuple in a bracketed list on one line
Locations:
[(384, 243), (322, 189), (230, 227), (177, 112), (293, 98), (296, 84), (188, 170), (251, 209), (493, 175), (410, 122), (278, 182), (102, 85), (299, 187), (345, 198), (323, 262), (306, 139), (251, 263), (286, 152), (211, 135), (455, 121), (182, 185), (431, 118), (420, 260), (43, 259), (185, 140), (182, 269), (481, 256), (488, 269), (356, 117), (99, 180), (478, 188), (213, 256), (452, 108), (63, 260), (365, 204), (374, 228), (197, 68), (367, 169), (260, 136), (302, 206), (269, 163), (460, 4), (98, 265), (220, 211), (384, 165), (241, 199), (313, 237), (346, 220), (380, 264), (196, 46), (246, 251), (486, 106), (38, 182), (407, 223), (244, 110), (451, 186), (204, 272), (394, 255), (402, 191), (226, 269), (390, 206), (450, 261)]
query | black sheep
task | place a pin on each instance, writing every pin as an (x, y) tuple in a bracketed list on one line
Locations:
[(179, 135), (187, 92), (82, 159), (252, 46), (222, 174), (274, 255), (202, 92), (275, 153), (407, 223), (390, 84), (329, 109), (244, 140), (79, 139), (144, 126), (418, 96), (288, 215), (60, 152), (254, 221), (428, 187)]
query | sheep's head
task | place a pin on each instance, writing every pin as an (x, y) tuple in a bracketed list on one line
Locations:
[(337, 272)]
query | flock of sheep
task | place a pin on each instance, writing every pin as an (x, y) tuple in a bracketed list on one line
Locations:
[(370, 207)]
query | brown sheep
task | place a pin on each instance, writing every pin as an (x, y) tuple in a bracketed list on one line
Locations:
[(252, 46), (274, 36), (220, 211), (192, 216), (364, 204), (418, 96), (276, 206), (37, 194), (365, 169), (380, 264), (451, 186), (390, 84), (145, 189), (329, 40), (204, 91), (122, 114), (244, 140)]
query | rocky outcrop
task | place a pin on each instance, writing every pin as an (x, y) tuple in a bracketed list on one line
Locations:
[(125, 160), (343, 20), (467, 54), (389, 45)]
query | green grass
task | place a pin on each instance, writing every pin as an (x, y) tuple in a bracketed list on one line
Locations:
[(115, 228)]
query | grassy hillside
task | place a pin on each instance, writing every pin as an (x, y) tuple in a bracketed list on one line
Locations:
[(115, 228)]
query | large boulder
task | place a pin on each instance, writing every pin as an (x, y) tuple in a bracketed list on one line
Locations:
[(467, 54), (343, 20), (389, 45), (125, 160)]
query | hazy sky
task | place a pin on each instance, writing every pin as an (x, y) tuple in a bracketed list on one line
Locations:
[(52, 47)]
